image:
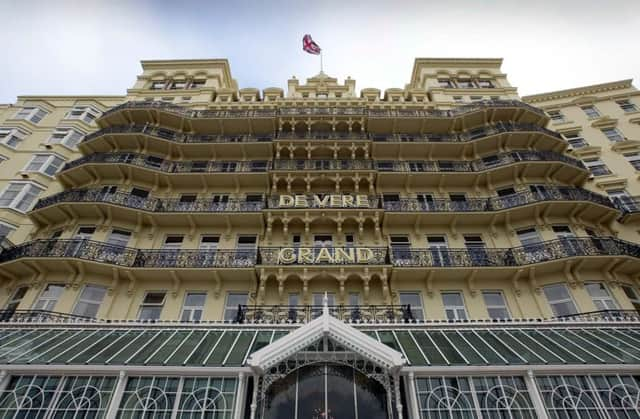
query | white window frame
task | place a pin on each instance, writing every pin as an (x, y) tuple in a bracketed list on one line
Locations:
[(118, 231), (70, 139), (190, 310), (626, 105), (6, 227), (173, 245), (33, 114), (84, 113), (607, 302), (591, 111), (29, 190), (553, 303), (635, 300), (633, 159), (531, 236), (489, 307), (455, 310), (48, 303), (557, 116), (46, 162), (144, 305), (230, 312), (88, 301), (596, 163), (12, 137), (16, 299), (416, 311)]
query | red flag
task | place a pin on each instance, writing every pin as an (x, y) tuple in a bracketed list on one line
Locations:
[(310, 46)]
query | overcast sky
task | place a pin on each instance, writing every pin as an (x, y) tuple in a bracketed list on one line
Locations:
[(94, 47)]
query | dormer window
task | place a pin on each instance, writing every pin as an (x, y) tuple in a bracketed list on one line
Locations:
[(83, 113)]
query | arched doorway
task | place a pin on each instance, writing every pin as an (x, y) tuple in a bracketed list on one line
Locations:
[(325, 391)]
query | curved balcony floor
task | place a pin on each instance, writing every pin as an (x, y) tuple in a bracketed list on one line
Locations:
[(166, 173), (561, 202), (97, 204), (166, 142)]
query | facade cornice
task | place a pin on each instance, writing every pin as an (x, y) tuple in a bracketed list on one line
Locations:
[(579, 91)]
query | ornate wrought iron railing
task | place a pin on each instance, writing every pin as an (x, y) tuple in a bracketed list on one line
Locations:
[(130, 257), (603, 315), (149, 203), (176, 136), (496, 203), (305, 313), (517, 256), (470, 135), (325, 110), (157, 163), (627, 204), (39, 316), (319, 164), (485, 163), (323, 256)]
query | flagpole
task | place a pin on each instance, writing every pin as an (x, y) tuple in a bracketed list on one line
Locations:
[(321, 61)]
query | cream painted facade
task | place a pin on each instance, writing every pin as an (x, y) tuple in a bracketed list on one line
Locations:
[(190, 200)]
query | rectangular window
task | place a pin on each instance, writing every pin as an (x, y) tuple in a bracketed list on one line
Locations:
[(575, 139), (178, 85), (11, 137), (209, 242), (414, 301), (600, 296), (591, 111), (596, 167), (613, 134), (6, 229), (626, 105), (506, 191), (445, 83), (16, 299), (496, 305), (485, 84), (47, 164), (439, 250), (465, 84), (86, 114), (529, 237), (193, 306), (89, 302), (172, 243), (246, 243), (322, 240), (633, 159), (197, 84), (151, 306), (119, 238), (49, 297), (84, 232), (560, 300), (234, 301), (31, 114), (158, 85), (68, 137), (19, 196), (454, 308), (400, 248), (633, 296), (556, 116)]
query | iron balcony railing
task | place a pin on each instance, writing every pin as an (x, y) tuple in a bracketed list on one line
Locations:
[(495, 203), (324, 110), (397, 256), (317, 255), (485, 163), (603, 315), (273, 314), (176, 136), (149, 203), (471, 135), (157, 163), (318, 164), (517, 256), (40, 316), (627, 204), (129, 257)]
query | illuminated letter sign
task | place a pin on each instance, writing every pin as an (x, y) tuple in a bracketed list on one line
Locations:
[(327, 201), (324, 255)]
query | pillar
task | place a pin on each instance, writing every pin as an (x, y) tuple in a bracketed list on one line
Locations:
[(536, 399), (112, 411)]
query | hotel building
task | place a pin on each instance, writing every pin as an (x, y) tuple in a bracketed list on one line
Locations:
[(194, 249)]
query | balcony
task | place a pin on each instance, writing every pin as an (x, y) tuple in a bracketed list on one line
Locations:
[(521, 205), (278, 314), (228, 121), (100, 252), (630, 207), (163, 141), (89, 203), (535, 165), (323, 135), (108, 166), (281, 256), (346, 164), (518, 256), (603, 316), (42, 316)]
